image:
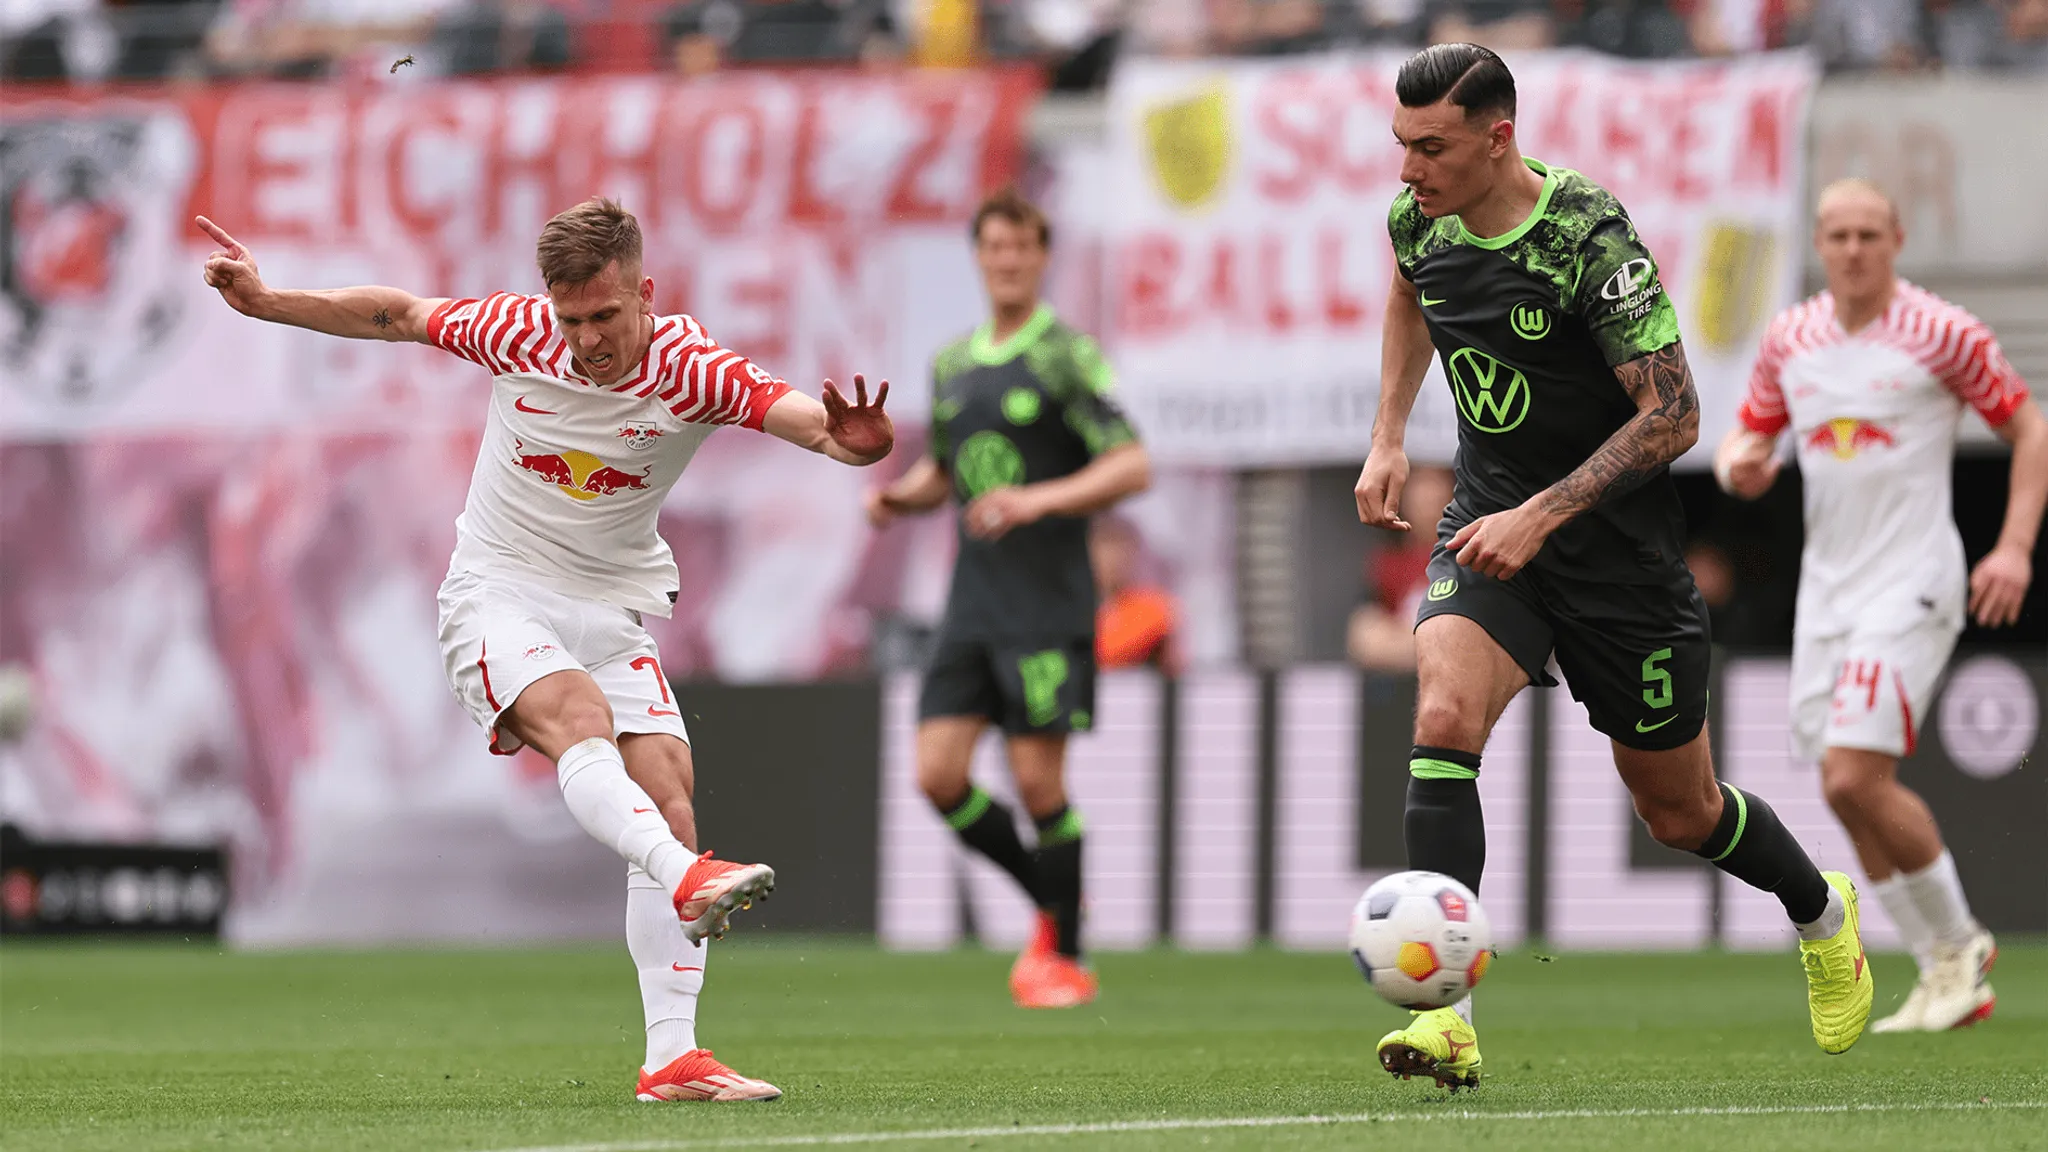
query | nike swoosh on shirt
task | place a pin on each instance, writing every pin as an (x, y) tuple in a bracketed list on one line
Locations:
[(521, 405), (653, 711), (686, 967), (1640, 727), (1427, 302), (637, 811)]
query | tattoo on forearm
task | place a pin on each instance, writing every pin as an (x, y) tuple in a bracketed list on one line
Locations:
[(382, 319), (1659, 434)]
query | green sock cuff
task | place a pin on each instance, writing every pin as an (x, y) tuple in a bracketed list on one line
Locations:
[(1425, 768), (1063, 830), (971, 809), (1733, 796)]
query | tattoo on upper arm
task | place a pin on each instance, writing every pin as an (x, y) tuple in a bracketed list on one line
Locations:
[(382, 319), (1667, 422)]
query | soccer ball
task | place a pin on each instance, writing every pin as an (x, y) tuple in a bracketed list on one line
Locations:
[(1420, 939)]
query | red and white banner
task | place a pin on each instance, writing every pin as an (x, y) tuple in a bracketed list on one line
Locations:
[(220, 548), (813, 221), (1248, 255)]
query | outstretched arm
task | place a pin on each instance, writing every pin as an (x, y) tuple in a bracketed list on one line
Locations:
[(1666, 424), (367, 313), (859, 433)]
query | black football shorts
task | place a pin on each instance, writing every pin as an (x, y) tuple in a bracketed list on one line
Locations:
[(1636, 655), (1023, 687)]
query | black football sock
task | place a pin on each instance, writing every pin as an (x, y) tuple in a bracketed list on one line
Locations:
[(986, 825), (1752, 845), (1444, 827), (1059, 874)]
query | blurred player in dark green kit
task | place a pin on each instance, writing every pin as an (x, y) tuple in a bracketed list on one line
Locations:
[(1026, 437), (1564, 536)]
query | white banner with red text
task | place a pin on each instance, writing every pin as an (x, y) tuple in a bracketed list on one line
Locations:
[(814, 221), (1245, 207)]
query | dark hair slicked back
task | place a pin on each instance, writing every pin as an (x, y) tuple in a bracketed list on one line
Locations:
[(1471, 77)]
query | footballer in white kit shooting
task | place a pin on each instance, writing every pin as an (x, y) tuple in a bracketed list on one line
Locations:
[(597, 404), (1871, 377)]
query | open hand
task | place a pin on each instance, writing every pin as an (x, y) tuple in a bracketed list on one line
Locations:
[(231, 269), (1998, 587), (1502, 544), (861, 428)]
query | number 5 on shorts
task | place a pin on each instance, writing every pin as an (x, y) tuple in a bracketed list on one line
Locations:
[(1656, 681)]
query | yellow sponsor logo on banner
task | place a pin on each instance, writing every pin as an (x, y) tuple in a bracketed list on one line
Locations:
[(1189, 142), (1734, 285)]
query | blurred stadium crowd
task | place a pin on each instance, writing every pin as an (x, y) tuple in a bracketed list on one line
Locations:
[(1075, 40)]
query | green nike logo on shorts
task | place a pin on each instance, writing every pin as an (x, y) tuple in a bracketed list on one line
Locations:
[(1640, 727), (1427, 302)]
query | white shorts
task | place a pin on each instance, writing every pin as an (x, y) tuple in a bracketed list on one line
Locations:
[(1868, 689), (498, 636)]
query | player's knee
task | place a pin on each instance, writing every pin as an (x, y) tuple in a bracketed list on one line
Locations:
[(1682, 825), (1847, 791), (943, 785), (1443, 720), (584, 719)]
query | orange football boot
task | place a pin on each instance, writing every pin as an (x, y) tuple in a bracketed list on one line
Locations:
[(1042, 978), (697, 1075), (713, 889)]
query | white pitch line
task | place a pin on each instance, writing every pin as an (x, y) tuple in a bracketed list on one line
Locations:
[(1223, 1122)]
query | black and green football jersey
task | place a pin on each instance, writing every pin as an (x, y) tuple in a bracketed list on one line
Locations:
[(1529, 326), (1036, 407)]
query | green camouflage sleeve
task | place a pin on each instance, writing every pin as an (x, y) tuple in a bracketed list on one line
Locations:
[(1084, 390), (1619, 295), (950, 362), (1405, 227)]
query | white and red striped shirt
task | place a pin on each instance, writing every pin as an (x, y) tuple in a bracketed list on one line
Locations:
[(571, 475), (1874, 414)]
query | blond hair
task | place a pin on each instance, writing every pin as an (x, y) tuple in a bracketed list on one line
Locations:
[(577, 245)]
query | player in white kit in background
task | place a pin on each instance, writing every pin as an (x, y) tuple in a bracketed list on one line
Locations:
[(597, 405), (1871, 377)]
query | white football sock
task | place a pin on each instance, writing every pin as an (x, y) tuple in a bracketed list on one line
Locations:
[(619, 813), (1464, 1008), (671, 969), (1938, 893), (1898, 904), (1831, 918)]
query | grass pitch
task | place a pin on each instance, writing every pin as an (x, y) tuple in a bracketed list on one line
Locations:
[(135, 1048)]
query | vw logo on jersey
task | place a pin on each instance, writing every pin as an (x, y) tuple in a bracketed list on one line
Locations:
[(1626, 280), (1529, 321), (1493, 396)]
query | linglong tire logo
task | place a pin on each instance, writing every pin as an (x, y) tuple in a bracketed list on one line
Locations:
[(1493, 396)]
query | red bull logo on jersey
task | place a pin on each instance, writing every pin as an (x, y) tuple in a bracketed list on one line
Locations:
[(579, 474), (640, 435), (1847, 437)]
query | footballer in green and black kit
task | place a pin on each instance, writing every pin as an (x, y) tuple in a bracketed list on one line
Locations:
[(1529, 326), (1018, 641)]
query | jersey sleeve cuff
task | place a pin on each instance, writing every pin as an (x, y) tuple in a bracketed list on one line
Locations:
[(437, 321), (759, 401), (1759, 423)]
